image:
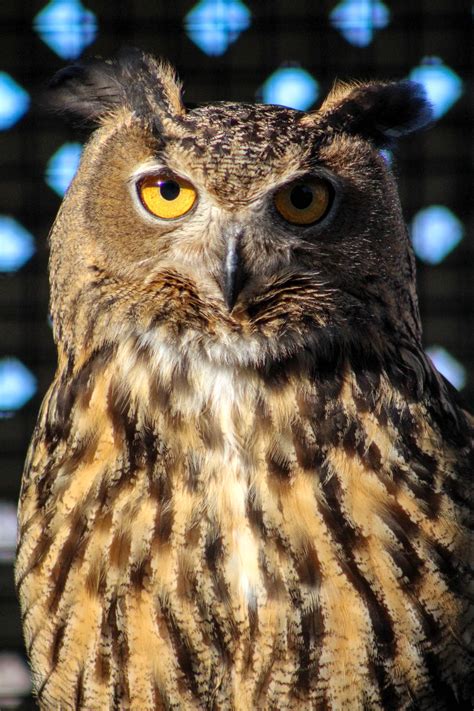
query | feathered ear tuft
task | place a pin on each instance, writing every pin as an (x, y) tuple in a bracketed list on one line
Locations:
[(134, 80), (86, 90), (379, 112)]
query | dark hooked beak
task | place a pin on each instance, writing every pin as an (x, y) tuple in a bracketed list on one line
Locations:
[(234, 275)]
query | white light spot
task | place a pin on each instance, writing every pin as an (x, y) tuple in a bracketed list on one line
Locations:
[(442, 85), (16, 245), (356, 20), (14, 101), (435, 232), (66, 27), (215, 24), (17, 385), (447, 366), (62, 167), (290, 86), (15, 680), (8, 528)]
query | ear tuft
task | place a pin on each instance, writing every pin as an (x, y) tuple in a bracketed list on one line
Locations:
[(378, 112), (134, 80), (86, 90)]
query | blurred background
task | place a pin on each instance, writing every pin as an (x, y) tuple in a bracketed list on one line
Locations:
[(276, 51)]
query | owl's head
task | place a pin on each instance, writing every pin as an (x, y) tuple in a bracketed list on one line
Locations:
[(246, 231)]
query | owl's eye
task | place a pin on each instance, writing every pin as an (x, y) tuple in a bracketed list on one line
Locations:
[(166, 196), (304, 202)]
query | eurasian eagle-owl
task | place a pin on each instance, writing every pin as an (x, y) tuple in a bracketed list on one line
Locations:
[(248, 488)]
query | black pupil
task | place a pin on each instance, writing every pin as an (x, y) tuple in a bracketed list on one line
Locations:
[(169, 189), (301, 197)]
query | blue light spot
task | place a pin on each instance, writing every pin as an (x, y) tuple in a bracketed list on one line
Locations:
[(447, 366), (16, 245), (435, 232), (66, 27), (214, 24), (387, 156), (62, 167), (290, 86), (14, 101), (442, 85), (17, 385), (357, 19)]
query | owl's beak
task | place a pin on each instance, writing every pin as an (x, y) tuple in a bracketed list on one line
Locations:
[(233, 268)]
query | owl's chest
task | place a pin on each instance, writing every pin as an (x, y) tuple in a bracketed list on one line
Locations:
[(215, 538), (216, 439), (234, 483)]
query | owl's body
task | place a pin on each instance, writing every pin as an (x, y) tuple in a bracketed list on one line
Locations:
[(247, 487)]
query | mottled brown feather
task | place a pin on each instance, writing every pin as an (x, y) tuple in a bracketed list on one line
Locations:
[(265, 507)]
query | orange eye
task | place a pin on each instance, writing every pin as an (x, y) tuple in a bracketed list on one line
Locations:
[(304, 202), (165, 195)]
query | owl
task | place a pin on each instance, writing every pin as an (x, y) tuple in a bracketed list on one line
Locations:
[(248, 488)]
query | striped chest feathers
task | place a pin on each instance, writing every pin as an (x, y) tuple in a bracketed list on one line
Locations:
[(215, 433), (270, 539), (278, 464)]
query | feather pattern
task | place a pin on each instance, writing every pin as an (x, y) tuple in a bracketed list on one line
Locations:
[(204, 535), (264, 504)]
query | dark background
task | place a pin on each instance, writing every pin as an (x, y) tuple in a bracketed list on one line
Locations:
[(433, 168)]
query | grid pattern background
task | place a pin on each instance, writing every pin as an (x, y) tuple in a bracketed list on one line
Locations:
[(433, 169)]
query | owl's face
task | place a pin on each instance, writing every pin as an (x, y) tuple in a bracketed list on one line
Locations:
[(250, 229)]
